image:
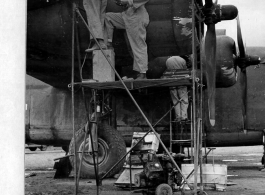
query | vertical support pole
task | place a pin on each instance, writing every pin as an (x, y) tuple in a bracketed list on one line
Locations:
[(192, 135), (201, 129), (170, 131), (194, 89), (97, 109), (87, 131), (200, 153), (94, 138), (130, 157), (73, 100), (263, 157)]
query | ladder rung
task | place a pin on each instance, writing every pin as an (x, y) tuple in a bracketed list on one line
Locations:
[(183, 121), (181, 141)]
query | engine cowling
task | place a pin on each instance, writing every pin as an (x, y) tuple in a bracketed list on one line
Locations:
[(226, 75)]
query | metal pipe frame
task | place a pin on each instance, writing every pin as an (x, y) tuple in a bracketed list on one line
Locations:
[(73, 100), (196, 137), (194, 90), (134, 101), (87, 130), (201, 103)]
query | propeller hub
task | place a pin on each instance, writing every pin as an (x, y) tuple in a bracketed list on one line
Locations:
[(228, 12), (252, 60), (216, 13), (210, 14), (249, 60)]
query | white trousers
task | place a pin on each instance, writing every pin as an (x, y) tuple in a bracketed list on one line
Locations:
[(179, 94), (95, 11), (135, 23)]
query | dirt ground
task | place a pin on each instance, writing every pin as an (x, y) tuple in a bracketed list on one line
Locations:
[(244, 177), (242, 182)]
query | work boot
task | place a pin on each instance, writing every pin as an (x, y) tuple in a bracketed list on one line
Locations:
[(96, 47), (141, 76)]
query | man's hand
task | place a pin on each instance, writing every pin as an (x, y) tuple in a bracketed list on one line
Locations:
[(122, 2)]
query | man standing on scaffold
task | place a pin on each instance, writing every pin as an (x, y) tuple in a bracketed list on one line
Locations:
[(95, 11), (179, 94), (134, 19)]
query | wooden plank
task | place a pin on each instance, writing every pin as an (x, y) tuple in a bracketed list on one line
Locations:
[(138, 84)]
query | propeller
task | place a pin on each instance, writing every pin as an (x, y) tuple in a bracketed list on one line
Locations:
[(213, 13), (243, 74), (210, 55), (243, 61)]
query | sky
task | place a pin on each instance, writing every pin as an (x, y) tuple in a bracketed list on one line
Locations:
[(252, 21)]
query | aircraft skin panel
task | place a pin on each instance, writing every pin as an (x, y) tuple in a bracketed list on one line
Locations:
[(49, 30), (49, 113), (256, 97), (234, 139)]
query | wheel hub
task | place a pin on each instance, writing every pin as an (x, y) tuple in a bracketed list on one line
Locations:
[(88, 157)]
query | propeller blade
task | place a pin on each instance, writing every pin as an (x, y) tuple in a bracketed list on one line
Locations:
[(240, 40), (210, 55), (243, 85), (243, 74)]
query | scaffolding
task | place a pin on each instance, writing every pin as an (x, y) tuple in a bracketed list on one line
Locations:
[(94, 108)]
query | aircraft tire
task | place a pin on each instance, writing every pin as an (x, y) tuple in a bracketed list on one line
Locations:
[(32, 148), (111, 148), (43, 148)]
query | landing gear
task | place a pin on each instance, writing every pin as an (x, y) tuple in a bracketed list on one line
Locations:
[(111, 147), (32, 148), (43, 148)]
